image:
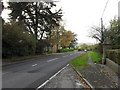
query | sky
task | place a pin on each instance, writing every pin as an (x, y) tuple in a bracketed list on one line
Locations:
[(80, 15)]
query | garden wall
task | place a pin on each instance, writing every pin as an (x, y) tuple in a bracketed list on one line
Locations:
[(114, 66)]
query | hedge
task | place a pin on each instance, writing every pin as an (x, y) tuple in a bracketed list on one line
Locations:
[(65, 50), (114, 55)]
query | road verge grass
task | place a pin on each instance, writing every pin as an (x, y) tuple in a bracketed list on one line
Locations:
[(96, 57), (80, 62), (16, 59)]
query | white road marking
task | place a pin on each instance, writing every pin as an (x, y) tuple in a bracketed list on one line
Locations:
[(79, 84), (65, 56), (52, 77), (34, 65), (5, 73), (52, 59)]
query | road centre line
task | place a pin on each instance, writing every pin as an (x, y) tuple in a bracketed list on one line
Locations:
[(5, 73), (52, 59), (65, 56), (34, 65)]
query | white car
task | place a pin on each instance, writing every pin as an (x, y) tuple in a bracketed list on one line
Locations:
[(85, 50)]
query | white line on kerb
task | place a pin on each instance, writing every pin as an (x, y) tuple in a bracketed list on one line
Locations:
[(34, 65), (52, 59), (52, 77)]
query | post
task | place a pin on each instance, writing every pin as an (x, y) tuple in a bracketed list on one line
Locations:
[(104, 54), (104, 45)]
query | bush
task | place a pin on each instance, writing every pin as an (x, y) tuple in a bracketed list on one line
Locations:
[(65, 50), (50, 52), (16, 41), (41, 45), (114, 55)]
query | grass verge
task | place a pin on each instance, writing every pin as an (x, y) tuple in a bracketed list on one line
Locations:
[(80, 62), (96, 57), (15, 59)]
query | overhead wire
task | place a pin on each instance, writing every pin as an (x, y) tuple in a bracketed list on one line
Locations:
[(105, 8)]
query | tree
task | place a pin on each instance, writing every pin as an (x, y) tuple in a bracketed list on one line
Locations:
[(56, 35), (62, 38), (84, 46), (66, 38), (37, 16), (109, 35), (98, 33), (74, 43), (114, 32), (101, 35), (16, 41)]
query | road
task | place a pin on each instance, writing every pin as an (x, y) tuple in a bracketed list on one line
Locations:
[(32, 73)]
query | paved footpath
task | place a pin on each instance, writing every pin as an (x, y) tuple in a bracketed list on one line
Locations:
[(100, 76), (67, 78)]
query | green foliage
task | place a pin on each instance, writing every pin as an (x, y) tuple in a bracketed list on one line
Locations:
[(65, 50), (38, 17), (114, 32), (84, 46), (96, 57), (60, 37), (50, 52), (110, 35), (66, 38), (41, 46), (80, 62), (16, 41), (114, 55)]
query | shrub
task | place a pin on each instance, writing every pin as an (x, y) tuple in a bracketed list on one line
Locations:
[(16, 41), (65, 50), (41, 45), (114, 55), (50, 52)]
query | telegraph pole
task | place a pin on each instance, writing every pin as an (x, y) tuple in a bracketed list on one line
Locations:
[(103, 44), (104, 39)]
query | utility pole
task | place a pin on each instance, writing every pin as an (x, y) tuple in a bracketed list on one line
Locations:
[(104, 44), (104, 39)]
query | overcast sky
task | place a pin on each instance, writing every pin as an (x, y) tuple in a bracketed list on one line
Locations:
[(80, 15)]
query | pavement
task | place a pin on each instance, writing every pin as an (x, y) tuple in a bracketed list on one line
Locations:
[(67, 78), (32, 73), (100, 76), (97, 75)]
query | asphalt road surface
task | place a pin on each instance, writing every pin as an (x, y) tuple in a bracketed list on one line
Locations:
[(32, 73)]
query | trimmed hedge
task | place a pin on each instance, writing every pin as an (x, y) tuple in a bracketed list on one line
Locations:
[(114, 55), (65, 50)]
